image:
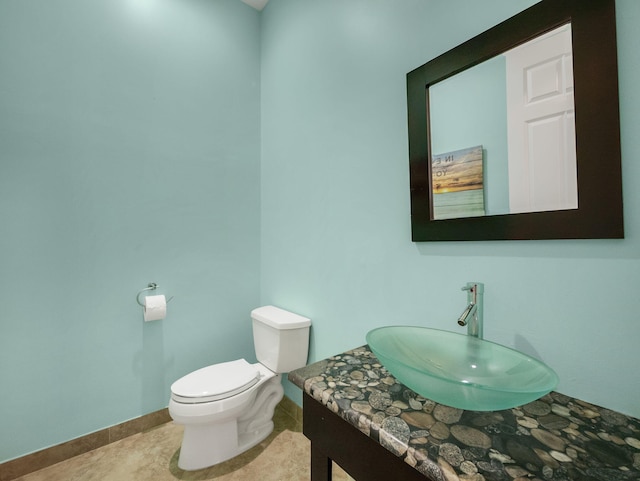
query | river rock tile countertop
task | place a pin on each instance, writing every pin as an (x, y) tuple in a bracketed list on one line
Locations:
[(553, 438)]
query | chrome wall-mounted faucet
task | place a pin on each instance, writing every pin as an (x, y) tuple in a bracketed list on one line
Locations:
[(472, 315)]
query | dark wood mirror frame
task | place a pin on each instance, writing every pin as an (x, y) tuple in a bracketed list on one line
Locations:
[(599, 213)]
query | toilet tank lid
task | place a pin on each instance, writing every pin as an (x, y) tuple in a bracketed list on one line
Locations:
[(279, 318)]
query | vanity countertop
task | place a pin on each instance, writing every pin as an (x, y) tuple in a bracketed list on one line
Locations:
[(554, 438)]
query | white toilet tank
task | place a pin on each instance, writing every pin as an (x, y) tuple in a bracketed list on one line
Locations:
[(281, 338)]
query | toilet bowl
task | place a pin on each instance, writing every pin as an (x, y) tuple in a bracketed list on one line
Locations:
[(227, 408)]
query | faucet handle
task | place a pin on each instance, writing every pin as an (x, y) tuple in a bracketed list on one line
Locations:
[(477, 287)]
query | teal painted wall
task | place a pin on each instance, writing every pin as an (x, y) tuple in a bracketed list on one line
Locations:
[(335, 200), (129, 153)]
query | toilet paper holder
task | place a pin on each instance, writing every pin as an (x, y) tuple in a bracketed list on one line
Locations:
[(150, 287)]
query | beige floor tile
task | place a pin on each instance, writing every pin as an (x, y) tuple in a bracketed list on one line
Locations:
[(153, 456)]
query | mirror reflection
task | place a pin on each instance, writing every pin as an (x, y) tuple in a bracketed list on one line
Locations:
[(502, 133)]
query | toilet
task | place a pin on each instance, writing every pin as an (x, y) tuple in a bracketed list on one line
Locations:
[(227, 408)]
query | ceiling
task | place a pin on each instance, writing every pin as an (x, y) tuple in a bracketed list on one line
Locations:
[(257, 4)]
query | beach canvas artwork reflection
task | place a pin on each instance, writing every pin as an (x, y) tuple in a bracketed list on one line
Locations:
[(458, 184)]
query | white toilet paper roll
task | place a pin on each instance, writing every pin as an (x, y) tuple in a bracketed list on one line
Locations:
[(155, 308)]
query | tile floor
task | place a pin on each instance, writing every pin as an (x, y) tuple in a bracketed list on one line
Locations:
[(153, 456)]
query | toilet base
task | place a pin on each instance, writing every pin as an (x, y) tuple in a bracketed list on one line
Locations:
[(208, 444)]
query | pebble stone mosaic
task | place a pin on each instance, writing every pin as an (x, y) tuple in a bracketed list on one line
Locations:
[(556, 438)]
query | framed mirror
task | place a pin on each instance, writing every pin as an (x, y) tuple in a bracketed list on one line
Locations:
[(515, 133)]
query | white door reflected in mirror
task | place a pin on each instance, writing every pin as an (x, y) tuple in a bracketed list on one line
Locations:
[(541, 124)]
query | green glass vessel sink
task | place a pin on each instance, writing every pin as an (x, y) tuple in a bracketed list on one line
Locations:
[(459, 370)]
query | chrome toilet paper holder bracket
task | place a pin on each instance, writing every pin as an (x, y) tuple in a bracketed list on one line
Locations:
[(150, 287)]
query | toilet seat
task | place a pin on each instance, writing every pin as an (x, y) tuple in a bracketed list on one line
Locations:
[(213, 383)]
